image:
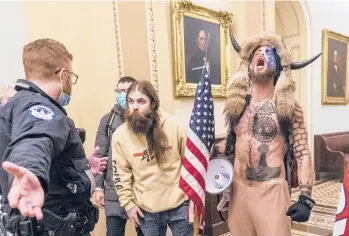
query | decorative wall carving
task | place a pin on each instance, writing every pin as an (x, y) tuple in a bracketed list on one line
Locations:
[(262, 14), (118, 38), (152, 44)]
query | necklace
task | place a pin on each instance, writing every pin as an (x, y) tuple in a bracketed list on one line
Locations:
[(255, 115)]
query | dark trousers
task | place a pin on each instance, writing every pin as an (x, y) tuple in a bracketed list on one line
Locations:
[(116, 226)]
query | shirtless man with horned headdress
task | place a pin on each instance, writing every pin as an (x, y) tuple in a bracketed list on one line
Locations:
[(268, 140)]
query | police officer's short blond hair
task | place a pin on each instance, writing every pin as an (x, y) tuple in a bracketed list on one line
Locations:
[(43, 57)]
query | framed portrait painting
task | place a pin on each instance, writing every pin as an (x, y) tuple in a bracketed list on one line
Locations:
[(200, 41), (335, 70)]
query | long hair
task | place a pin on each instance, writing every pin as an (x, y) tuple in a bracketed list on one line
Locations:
[(156, 137)]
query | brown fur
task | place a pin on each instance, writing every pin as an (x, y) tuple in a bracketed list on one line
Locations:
[(267, 39), (236, 96), (285, 100), (239, 87)]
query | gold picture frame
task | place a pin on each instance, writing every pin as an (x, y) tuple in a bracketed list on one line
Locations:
[(335, 68), (189, 24)]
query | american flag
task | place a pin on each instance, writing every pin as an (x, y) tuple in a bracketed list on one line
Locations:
[(341, 225), (198, 145)]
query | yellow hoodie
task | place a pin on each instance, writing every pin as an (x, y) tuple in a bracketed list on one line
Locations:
[(137, 177)]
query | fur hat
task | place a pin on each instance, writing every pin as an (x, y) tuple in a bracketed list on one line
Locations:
[(238, 90)]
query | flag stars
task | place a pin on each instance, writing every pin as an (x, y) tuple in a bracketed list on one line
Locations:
[(201, 121)]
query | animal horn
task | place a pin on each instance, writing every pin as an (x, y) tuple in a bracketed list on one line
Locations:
[(300, 65), (233, 41)]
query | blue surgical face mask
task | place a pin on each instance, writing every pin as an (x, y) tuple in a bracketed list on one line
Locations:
[(63, 98), (121, 100)]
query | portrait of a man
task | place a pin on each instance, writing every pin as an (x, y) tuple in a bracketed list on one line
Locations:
[(336, 73), (200, 43), (335, 77), (202, 49)]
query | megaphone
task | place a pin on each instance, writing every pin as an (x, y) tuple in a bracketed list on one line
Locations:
[(219, 175)]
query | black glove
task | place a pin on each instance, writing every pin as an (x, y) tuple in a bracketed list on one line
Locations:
[(300, 211)]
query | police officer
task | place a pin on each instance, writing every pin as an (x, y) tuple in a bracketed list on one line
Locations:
[(46, 179)]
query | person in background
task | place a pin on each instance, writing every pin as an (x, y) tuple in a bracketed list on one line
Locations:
[(147, 156), (105, 194)]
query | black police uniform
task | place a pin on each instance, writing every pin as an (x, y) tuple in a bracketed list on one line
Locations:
[(36, 133)]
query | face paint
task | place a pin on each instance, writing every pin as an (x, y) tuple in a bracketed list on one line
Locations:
[(263, 64)]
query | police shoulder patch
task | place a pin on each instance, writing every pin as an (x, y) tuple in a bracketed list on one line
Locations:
[(41, 112)]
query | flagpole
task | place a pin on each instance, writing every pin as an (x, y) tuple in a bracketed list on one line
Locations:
[(197, 219), (196, 224)]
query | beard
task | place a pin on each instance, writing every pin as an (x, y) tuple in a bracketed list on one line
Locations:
[(140, 124), (149, 124), (268, 75)]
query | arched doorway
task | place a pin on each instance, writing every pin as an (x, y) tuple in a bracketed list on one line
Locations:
[(290, 23)]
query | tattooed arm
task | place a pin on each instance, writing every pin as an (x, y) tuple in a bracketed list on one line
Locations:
[(301, 152)]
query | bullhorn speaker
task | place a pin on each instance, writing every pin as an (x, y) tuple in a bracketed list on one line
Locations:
[(219, 175)]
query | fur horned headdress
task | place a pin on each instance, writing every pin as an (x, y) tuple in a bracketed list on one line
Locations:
[(239, 87)]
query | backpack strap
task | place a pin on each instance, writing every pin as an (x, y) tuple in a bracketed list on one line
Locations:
[(110, 121), (288, 157)]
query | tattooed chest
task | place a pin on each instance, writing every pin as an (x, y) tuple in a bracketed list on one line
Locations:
[(259, 123), (258, 128)]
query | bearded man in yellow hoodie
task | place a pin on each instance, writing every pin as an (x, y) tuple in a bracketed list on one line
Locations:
[(147, 153)]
